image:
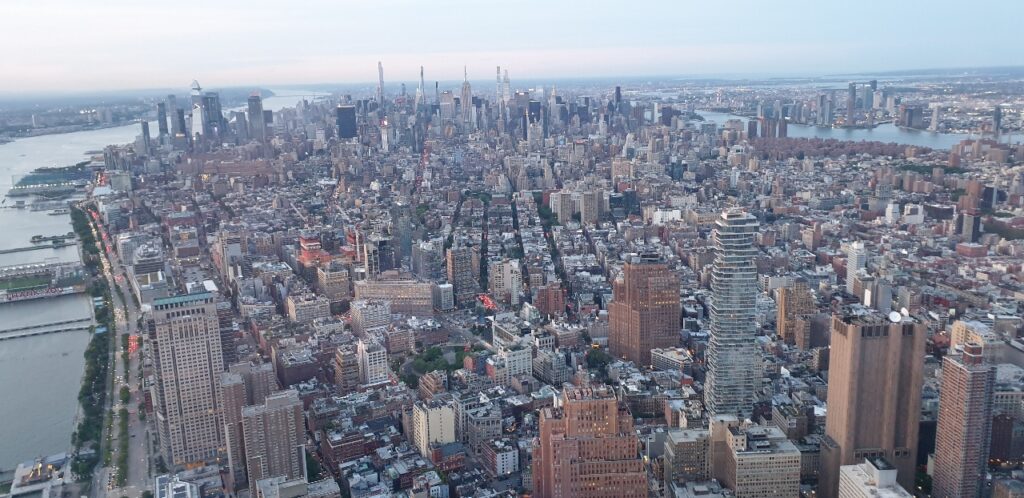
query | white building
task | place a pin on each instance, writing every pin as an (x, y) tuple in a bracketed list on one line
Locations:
[(875, 478), (373, 363), (506, 280), (433, 422), (370, 314)]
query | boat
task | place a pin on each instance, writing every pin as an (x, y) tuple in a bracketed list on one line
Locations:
[(59, 211)]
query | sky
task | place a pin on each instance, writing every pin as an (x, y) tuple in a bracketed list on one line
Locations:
[(68, 46)]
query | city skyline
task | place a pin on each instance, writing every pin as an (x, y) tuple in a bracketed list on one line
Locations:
[(245, 44)]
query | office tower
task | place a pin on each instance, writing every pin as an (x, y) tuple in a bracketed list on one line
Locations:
[(733, 361), (561, 206), (856, 260), (161, 118), (644, 313), (225, 320), (146, 144), (242, 385), (427, 259), (459, 260), (794, 301), (466, 100), (257, 127), (186, 341), (421, 91), (872, 479), (373, 363), (380, 85), (345, 119), (753, 460), (213, 117), (874, 393), (274, 435), (687, 453), (506, 89), (851, 104), (588, 449), (378, 255), (964, 428), (179, 124), (997, 120), (172, 111), (497, 87)]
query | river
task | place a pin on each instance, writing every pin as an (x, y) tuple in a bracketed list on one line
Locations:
[(887, 133), (40, 375)]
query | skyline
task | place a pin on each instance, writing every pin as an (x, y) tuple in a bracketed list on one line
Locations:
[(238, 43)]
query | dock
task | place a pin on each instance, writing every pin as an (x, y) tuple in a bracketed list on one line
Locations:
[(36, 248), (49, 328)]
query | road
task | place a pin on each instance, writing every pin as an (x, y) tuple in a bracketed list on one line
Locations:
[(126, 314)]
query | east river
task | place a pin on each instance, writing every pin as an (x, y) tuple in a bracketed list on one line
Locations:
[(40, 375)]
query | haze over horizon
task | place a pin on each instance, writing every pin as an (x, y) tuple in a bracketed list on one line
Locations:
[(236, 43)]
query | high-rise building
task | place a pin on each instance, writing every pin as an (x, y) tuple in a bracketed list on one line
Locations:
[(146, 138), (242, 385), (380, 84), (874, 393), (794, 301), (433, 422), (588, 448), (856, 260), (346, 369), (459, 260), (186, 341), (373, 363), (345, 119), (172, 113), (851, 104), (964, 428), (733, 361), (257, 127), (506, 280), (275, 436), (466, 101), (644, 313), (161, 118)]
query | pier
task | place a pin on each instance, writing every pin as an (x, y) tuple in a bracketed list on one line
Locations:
[(49, 328)]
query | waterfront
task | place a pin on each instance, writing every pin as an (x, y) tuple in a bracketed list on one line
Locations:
[(887, 133), (42, 373)]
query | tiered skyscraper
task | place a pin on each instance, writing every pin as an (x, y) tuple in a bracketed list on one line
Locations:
[(733, 361), (645, 312), (964, 431), (874, 394), (186, 340), (588, 448)]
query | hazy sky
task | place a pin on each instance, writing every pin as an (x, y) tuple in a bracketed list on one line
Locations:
[(70, 45)]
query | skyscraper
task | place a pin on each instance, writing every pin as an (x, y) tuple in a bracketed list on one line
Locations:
[(145, 138), (874, 393), (851, 104), (345, 119), (380, 85), (964, 429), (588, 448), (466, 101), (856, 260), (257, 127), (161, 118), (645, 311), (186, 339), (274, 435), (242, 385), (172, 112), (733, 362)]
